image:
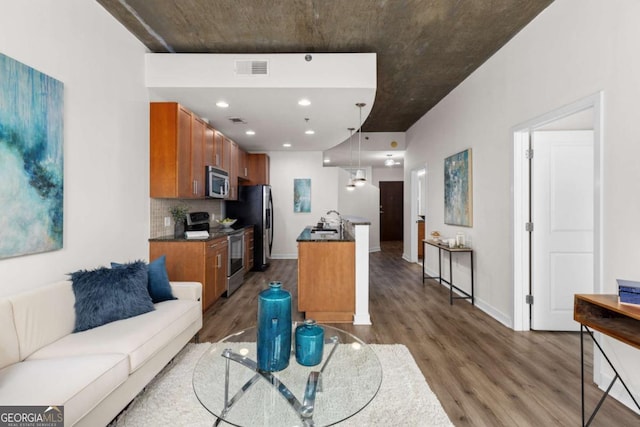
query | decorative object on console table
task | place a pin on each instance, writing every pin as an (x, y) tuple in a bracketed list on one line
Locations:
[(458, 186), (31, 154), (274, 328)]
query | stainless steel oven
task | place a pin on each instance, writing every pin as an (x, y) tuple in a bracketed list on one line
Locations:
[(235, 270)]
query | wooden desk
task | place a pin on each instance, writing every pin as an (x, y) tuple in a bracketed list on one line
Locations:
[(605, 314), (443, 247)]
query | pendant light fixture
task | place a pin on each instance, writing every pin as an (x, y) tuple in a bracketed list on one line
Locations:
[(350, 185), (360, 180)]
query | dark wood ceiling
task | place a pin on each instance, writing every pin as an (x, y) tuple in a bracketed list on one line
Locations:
[(425, 48)]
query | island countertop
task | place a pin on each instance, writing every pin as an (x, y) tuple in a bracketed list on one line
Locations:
[(308, 236)]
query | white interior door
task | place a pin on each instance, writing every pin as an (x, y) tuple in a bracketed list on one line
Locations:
[(562, 212)]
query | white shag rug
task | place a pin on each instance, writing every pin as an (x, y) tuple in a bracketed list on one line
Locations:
[(404, 398)]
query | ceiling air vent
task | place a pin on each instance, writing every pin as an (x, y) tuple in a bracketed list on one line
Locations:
[(252, 68), (237, 120)]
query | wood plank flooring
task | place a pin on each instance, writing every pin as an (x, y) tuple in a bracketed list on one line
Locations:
[(484, 373)]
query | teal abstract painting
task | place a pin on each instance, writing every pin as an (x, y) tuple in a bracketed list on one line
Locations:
[(458, 185), (302, 195), (31, 160)]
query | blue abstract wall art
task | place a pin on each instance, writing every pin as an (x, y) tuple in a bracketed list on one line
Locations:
[(302, 195), (31, 160), (458, 185)]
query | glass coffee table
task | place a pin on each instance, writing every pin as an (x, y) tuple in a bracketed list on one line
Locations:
[(228, 384)]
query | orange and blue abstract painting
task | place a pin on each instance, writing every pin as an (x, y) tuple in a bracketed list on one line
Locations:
[(31, 160)]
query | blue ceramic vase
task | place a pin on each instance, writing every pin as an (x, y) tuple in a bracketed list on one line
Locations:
[(274, 328), (309, 343)]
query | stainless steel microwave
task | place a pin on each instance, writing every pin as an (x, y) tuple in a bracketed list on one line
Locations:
[(217, 183)]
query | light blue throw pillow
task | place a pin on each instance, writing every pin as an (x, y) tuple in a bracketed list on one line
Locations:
[(105, 295)]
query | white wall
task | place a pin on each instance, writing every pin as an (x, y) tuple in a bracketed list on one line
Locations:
[(575, 48), (395, 173), (106, 160), (285, 167), (363, 202)]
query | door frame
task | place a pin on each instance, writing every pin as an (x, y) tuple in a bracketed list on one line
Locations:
[(412, 255), (521, 203)]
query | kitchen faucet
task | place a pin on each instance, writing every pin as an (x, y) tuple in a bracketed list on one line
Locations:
[(332, 211)]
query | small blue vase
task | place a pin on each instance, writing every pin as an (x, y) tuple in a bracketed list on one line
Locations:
[(274, 328), (309, 343)]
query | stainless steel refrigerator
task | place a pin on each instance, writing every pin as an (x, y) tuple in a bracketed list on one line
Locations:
[(255, 207)]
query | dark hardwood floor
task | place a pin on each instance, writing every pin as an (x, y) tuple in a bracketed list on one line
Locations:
[(484, 373)]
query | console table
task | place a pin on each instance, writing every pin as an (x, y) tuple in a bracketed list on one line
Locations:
[(443, 247), (605, 314)]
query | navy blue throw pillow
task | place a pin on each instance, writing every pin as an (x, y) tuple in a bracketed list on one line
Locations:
[(105, 295), (159, 287)]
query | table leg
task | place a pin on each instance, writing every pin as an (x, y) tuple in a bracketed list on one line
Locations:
[(424, 252), (450, 278), (615, 378), (472, 293), (439, 265)]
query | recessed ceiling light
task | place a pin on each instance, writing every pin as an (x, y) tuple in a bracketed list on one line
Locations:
[(250, 132), (222, 104), (304, 102), (286, 145), (309, 132)]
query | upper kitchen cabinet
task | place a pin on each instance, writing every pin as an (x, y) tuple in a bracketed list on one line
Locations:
[(243, 167), (257, 169), (218, 143), (177, 149), (198, 131), (230, 153)]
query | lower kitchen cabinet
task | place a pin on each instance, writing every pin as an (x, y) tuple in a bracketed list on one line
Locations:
[(327, 281), (196, 261), (248, 249)]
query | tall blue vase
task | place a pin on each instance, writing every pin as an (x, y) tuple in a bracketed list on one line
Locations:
[(274, 328)]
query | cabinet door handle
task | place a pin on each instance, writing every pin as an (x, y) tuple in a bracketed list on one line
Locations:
[(219, 260)]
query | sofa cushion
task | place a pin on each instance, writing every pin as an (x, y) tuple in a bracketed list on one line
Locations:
[(140, 337), (78, 383), (43, 316), (104, 295), (158, 285), (9, 348)]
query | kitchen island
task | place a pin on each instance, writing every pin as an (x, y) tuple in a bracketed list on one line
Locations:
[(326, 275)]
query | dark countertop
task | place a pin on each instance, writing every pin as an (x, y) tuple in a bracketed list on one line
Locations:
[(308, 236), (214, 234)]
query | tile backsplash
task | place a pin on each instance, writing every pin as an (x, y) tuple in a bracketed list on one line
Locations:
[(160, 210)]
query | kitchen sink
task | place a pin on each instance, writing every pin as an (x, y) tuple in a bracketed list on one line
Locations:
[(324, 231)]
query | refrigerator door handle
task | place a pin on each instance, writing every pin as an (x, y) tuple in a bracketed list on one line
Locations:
[(270, 222)]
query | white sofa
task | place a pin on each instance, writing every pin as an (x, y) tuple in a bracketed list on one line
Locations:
[(94, 373)]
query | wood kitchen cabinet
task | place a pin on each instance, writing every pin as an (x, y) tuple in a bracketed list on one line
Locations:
[(327, 281), (243, 169), (248, 249), (233, 172), (198, 128), (421, 227), (177, 146), (197, 261), (257, 169), (218, 143)]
